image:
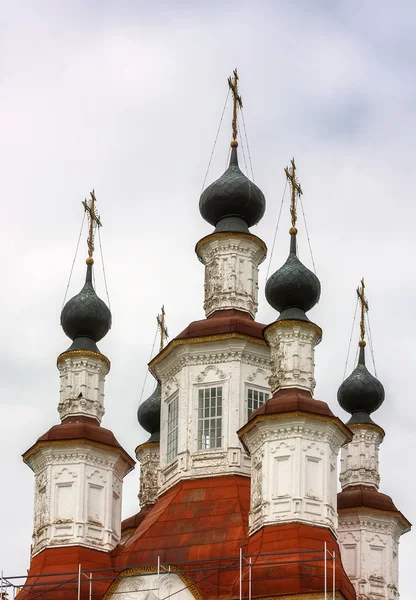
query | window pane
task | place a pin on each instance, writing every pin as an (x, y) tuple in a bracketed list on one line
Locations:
[(172, 441), (210, 419), (255, 398)]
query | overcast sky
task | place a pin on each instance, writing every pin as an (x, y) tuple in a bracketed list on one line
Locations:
[(126, 97)]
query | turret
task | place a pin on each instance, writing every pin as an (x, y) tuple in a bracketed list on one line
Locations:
[(370, 525)]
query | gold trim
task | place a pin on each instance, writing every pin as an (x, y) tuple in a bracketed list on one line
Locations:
[(296, 413), (74, 442), (139, 570), (146, 445), (236, 234), (201, 339), (91, 353), (371, 426), (291, 322)]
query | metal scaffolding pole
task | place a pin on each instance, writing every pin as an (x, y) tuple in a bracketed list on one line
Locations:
[(241, 573), (79, 582)]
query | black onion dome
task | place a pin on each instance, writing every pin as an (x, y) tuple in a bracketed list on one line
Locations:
[(361, 393), (232, 197), (86, 315), (148, 414), (293, 289)]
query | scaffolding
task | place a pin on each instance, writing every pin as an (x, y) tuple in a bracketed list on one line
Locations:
[(261, 567)]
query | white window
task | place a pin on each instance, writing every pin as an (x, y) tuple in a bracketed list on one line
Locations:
[(209, 418), (255, 398), (173, 418)]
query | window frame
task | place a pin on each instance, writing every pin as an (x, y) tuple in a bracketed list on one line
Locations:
[(172, 454), (210, 417), (260, 390)]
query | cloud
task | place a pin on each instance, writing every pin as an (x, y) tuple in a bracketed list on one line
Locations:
[(126, 97)]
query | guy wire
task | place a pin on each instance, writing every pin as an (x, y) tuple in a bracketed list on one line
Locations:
[(349, 344), (307, 234), (215, 141), (275, 233), (73, 262), (102, 262), (248, 147), (147, 370)]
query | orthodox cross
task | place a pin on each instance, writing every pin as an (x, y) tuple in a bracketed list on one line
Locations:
[(364, 308), (94, 221), (296, 191), (163, 329), (237, 103)]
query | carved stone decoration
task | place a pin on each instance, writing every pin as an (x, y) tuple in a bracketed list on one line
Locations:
[(218, 374), (292, 346), (226, 364), (297, 480), (359, 458), (77, 496), (369, 552), (151, 586), (148, 455), (231, 271), (82, 381)]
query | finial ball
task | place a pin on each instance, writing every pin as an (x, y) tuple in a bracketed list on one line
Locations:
[(234, 144), (90, 261), (293, 230), (362, 344)]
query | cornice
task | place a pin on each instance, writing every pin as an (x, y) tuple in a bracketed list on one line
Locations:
[(74, 442), (221, 235), (177, 342), (83, 353), (369, 512), (294, 414), (293, 323)]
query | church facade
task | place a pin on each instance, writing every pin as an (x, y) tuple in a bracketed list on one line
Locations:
[(238, 479)]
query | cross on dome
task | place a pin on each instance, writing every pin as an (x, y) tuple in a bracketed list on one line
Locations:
[(296, 192), (162, 328), (94, 222), (237, 103), (364, 309)]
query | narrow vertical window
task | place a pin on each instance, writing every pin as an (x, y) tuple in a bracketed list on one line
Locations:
[(172, 429), (255, 398), (210, 418)]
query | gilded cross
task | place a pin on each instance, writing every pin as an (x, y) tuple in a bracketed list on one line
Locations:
[(237, 103), (296, 191), (94, 221), (364, 308), (163, 329)]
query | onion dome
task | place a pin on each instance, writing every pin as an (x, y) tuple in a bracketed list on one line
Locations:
[(85, 318), (361, 393), (148, 414), (293, 289), (232, 202)]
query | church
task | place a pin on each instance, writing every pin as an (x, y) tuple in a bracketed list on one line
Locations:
[(239, 475)]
